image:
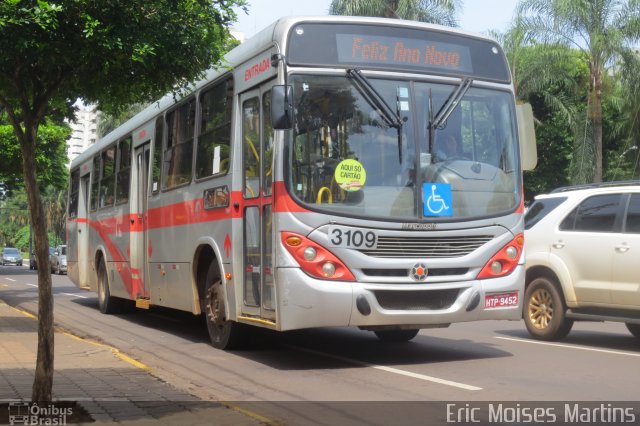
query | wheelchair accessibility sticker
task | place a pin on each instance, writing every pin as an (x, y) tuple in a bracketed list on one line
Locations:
[(436, 199)]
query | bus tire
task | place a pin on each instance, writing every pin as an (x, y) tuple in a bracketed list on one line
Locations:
[(223, 333), (107, 303), (396, 335)]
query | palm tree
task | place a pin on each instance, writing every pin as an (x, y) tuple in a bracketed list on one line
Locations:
[(55, 203), (433, 11), (108, 122), (600, 29)]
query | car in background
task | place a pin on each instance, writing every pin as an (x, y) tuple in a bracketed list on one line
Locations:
[(11, 256), (33, 260), (582, 254), (58, 260)]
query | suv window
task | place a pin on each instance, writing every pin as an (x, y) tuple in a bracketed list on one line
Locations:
[(539, 209), (595, 214), (633, 215)]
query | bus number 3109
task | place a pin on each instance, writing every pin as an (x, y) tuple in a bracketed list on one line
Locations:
[(352, 238)]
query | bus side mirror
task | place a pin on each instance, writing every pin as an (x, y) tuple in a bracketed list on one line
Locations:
[(281, 107), (527, 136)]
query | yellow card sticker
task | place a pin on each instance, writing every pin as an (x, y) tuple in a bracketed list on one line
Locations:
[(350, 175)]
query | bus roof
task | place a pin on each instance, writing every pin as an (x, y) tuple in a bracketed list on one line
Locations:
[(272, 35)]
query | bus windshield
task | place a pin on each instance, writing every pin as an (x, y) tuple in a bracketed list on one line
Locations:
[(348, 158)]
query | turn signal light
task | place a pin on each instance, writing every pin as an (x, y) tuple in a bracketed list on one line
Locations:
[(505, 260), (314, 259)]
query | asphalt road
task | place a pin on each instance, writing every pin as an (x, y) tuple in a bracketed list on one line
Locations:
[(482, 361)]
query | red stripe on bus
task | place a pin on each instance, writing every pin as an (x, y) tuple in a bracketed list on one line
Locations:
[(283, 201), (180, 214)]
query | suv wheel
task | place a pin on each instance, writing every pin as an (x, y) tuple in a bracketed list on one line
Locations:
[(634, 329), (544, 310)]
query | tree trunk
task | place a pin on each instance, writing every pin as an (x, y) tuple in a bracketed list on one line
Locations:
[(596, 121), (43, 381)]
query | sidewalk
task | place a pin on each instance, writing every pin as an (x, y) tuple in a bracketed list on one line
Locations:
[(108, 385)]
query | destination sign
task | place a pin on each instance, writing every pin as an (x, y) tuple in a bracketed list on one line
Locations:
[(359, 49), (396, 48)]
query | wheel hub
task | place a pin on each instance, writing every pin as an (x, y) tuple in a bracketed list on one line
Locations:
[(215, 306), (540, 309)]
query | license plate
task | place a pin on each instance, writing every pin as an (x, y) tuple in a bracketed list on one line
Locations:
[(501, 300)]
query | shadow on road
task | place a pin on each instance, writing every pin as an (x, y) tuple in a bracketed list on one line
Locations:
[(308, 349)]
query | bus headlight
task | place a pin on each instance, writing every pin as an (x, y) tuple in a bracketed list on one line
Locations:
[(328, 269), (314, 259), (310, 253), (505, 260), (496, 267)]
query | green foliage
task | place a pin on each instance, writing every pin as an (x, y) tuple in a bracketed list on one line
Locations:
[(434, 11), (14, 214), (600, 30), (51, 156), (113, 53), (109, 122), (21, 239)]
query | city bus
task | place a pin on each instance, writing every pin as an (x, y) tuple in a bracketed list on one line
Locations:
[(334, 171)]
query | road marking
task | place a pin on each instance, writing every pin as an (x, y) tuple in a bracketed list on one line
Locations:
[(561, 345), (31, 285), (390, 369), (10, 279), (74, 295)]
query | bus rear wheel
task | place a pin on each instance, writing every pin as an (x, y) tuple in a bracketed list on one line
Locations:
[(396, 335), (223, 333)]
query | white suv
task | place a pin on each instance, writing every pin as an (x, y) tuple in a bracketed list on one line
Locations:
[(583, 258)]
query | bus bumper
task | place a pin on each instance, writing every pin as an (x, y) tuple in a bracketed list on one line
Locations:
[(305, 302)]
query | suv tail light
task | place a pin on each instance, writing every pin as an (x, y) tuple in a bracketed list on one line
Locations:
[(314, 259), (505, 260)]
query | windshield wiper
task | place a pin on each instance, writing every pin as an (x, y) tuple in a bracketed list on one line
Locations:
[(446, 109), (373, 97)]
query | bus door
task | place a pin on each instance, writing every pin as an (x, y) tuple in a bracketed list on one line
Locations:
[(83, 231), (139, 226), (257, 158)]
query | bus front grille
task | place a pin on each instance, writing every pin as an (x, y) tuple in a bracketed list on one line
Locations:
[(416, 300), (426, 247), (405, 273)]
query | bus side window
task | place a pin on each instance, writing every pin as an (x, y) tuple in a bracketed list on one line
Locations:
[(74, 190), (267, 146), (251, 145), (95, 183), (179, 153), (157, 156), (124, 170), (107, 183), (212, 152)]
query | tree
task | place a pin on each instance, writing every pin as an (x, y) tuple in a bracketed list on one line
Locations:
[(112, 54), (600, 29), (433, 11), (51, 157), (14, 214)]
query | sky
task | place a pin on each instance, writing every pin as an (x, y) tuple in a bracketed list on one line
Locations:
[(477, 15)]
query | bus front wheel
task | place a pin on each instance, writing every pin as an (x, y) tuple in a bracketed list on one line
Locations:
[(396, 335), (224, 334)]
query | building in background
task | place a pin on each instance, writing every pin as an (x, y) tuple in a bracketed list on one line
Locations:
[(83, 130)]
